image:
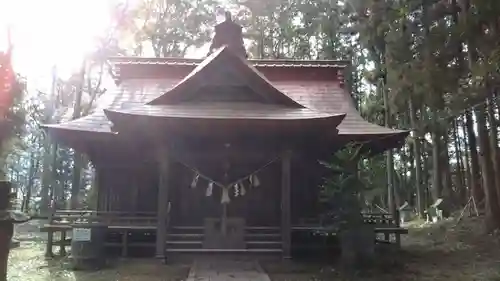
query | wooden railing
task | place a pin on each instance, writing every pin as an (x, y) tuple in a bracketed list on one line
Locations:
[(66, 218)]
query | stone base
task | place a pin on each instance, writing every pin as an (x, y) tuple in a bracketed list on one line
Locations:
[(358, 246)]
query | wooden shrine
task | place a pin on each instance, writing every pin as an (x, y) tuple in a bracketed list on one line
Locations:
[(219, 154)]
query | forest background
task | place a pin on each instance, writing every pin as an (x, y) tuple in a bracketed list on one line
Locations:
[(428, 66)]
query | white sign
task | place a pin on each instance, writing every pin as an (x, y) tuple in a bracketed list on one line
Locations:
[(81, 234)]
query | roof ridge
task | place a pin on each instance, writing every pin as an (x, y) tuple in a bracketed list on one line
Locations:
[(127, 60)]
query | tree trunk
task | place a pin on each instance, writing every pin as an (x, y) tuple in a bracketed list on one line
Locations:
[(426, 191), (389, 157), (493, 144), (29, 186), (490, 191), (50, 151), (46, 177), (475, 186), (467, 166), (447, 192), (418, 160), (436, 169), (460, 179)]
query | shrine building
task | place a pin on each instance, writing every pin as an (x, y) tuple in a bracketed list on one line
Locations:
[(219, 154)]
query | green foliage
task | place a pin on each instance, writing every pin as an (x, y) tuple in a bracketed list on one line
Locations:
[(343, 189), (171, 28), (14, 125)]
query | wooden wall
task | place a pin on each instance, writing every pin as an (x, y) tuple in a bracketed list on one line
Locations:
[(127, 188)]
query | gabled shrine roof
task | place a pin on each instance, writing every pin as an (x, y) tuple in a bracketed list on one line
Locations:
[(324, 96), (222, 68)]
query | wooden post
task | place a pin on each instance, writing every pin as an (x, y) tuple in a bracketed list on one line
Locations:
[(397, 218), (97, 187), (125, 244), (286, 228), (6, 230), (161, 231), (62, 246), (50, 232)]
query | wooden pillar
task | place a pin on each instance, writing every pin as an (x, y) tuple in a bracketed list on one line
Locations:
[(161, 231), (50, 232), (286, 227), (102, 172), (96, 189)]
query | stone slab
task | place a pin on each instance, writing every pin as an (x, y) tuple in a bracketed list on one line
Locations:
[(226, 270)]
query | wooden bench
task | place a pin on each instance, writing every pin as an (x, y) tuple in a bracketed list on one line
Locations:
[(119, 222), (386, 224), (383, 223)]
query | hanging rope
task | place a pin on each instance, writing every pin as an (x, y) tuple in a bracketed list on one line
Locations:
[(207, 178), (225, 188)]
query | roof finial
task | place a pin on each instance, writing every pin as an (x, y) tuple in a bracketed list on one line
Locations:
[(228, 16), (228, 33)]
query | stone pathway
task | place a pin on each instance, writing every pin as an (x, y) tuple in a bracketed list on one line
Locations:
[(226, 270)]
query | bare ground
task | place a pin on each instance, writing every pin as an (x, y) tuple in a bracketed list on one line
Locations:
[(27, 263), (443, 252)]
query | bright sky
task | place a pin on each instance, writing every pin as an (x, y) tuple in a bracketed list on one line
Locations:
[(51, 32)]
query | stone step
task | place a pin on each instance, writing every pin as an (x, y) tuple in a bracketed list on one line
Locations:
[(186, 236), (263, 237), (249, 236), (199, 244), (184, 250), (264, 244), (184, 244), (263, 229), (248, 229), (186, 230)]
